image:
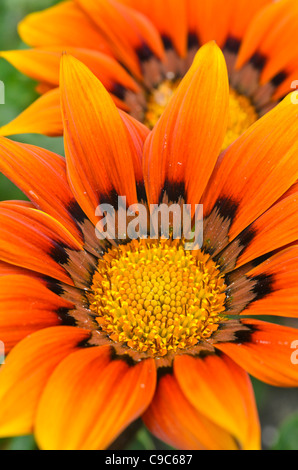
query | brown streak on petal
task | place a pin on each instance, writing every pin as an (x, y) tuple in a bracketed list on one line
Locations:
[(263, 95), (239, 294), (83, 319), (174, 64), (80, 267), (229, 331), (216, 230), (153, 72), (137, 104), (92, 244)]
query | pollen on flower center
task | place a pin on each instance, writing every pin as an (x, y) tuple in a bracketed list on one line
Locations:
[(158, 100), (242, 114), (157, 298)]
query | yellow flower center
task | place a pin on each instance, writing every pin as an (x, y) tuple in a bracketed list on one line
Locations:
[(155, 297), (242, 115), (158, 100)]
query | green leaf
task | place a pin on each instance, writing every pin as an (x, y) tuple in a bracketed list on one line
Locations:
[(288, 434)]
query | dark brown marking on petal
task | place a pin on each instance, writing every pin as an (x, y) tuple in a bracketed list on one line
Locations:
[(77, 213), (80, 315), (227, 258), (217, 225), (125, 357), (232, 45), (55, 286), (279, 79), (119, 91), (243, 290), (141, 192), (58, 253), (111, 198), (258, 61), (173, 191), (193, 41), (163, 372), (167, 42), (232, 331), (66, 318), (264, 286), (144, 53)]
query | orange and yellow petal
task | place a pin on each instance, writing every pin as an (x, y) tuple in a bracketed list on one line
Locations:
[(55, 26), (27, 370), (257, 169), (100, 157), (220, 20), (26, 305), (127, 31), (280, 276), (276, 228), (43, 64), (220, 390), (173, 419), (41, 175), (184, 146), (168, 16), (271, 36), (92, 397), (33, 240), (265, 351)]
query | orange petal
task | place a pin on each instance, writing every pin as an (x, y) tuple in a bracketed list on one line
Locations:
[(7, 269), (265, 351), (168, 16), (41, 175), (90, 399), (273, 230), (271, 34), (173, 419), (280, 274), (55, 26), (184, 146), (220, 19), (257, 169), (26, 305), (221, 391), (99, 153), (42, 117), (43, 64), (137, 135), (31, 239), (26, 372), (126, 29)]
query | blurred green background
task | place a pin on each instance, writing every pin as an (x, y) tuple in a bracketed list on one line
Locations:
[(278, 407), (19, 90)]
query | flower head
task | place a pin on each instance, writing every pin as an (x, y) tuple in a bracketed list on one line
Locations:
[(103, 331), (141, 50)]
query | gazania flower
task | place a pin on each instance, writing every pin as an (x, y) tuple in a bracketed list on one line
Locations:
[(141, 49), (105, 331)]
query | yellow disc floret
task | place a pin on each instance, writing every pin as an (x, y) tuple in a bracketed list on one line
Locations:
[(157, 298), (242, 114), (158, 100)]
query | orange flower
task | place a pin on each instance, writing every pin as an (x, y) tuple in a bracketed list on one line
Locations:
[(141, 49), (102, 332)]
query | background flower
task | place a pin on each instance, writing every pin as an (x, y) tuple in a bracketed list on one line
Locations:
[(276, 403)]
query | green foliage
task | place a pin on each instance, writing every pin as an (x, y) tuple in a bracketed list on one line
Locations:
[(288, 434), (19, 89)]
